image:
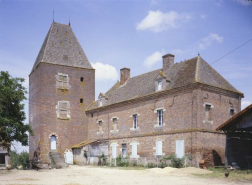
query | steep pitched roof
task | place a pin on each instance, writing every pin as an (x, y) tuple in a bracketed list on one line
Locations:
[(62, 47), (195, 70)]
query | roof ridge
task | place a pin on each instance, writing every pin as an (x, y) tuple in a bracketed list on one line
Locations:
[(146, 73), (46, 46), (197, 69)]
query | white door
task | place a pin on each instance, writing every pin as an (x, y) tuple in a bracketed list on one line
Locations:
[(53, 142)]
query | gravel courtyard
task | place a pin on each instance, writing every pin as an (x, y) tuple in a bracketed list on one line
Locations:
[(78, 175)]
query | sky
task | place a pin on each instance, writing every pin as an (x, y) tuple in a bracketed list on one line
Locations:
[(134, 34)]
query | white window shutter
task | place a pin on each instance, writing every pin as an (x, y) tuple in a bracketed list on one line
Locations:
[(134, 149), (159, 150), (177, 147), (180, 148), (113, 151)]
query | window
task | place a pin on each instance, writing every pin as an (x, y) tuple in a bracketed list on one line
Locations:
[(100, 102), (100, 126), (63, 110), (134, 150), (231, 112), (82, 79), (124, 150), (180, 148), (160, 117), (81, 100), (115, 124), (208, 112), (159, 148), (159, 85), (62, 81), (135, 121)]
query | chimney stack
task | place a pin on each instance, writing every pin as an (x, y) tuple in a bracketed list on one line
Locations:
[(168, 61), (125, 75)]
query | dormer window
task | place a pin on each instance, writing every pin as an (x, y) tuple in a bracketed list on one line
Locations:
[(159, 85), (100, 102)]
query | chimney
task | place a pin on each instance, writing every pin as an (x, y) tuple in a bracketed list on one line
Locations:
[(168, 61), (125, 75)]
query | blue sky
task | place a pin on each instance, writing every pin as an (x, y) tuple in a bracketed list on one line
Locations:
[(134, 34)]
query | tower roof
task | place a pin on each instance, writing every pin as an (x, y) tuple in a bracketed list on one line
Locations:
[(61, 47)]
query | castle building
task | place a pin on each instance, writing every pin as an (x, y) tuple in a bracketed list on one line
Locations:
[(172, 110)]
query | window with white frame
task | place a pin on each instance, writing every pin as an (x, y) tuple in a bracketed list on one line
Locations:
[(159, 148), (180, 148), (159, 85), (115, 124), (100, 102), (160, 117), (100, 126), (63, 110), (134, 150), (62, 81), (124, 150), (135, 121)]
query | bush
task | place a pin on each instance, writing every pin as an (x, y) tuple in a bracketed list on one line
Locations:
[(175, 161), (120, 161), (19, 159), (102, 159)]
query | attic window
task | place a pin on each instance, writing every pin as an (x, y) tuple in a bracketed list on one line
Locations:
[(231, 112), (66, 34), (100, 102), (82, 79), (61, 43), (63, 110), (65, 57), (62, 81), (81, 100), (57, 32), (159, 85)]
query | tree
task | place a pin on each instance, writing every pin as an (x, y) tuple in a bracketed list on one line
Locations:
[(12, 115)]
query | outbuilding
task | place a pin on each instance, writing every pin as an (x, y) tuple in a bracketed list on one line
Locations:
[(238, 130)]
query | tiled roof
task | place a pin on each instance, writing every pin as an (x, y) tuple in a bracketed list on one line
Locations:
[(195, 70), (62, 47), (83, 143)]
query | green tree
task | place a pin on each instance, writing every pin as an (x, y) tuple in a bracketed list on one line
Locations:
[(12, 115)]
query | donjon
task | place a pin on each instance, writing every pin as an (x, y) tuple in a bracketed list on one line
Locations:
[(61, 86)]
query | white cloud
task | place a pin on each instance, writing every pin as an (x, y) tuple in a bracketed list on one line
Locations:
[(244, 2), (153, 59), (158, 21), (244, 104), (207, 41), (203, 16), (104, 71)]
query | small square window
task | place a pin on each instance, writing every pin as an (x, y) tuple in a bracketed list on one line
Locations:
[(232, 112), (81, 100), (82, 79)]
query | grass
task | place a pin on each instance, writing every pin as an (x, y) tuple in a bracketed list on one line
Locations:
[(235, 175)]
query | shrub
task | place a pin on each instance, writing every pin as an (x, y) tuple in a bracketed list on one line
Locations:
[(19, 159), (120, 161), (102, 159), (175, 161)]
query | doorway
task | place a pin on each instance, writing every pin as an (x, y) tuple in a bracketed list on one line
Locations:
[(53, 142)]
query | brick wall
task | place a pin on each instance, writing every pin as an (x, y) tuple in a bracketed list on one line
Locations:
[(44, 96)]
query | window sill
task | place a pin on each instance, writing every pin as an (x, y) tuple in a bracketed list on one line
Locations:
[(134, 157), (208, 122), (99, 133), (134, 129), (114, 131), (157, 126)]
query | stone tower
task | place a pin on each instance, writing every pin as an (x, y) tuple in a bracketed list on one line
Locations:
[(61, 86)]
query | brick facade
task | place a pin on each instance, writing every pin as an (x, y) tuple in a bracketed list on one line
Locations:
[(44, 96)]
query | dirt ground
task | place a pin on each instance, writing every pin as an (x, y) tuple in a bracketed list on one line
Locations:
[(78, 175)]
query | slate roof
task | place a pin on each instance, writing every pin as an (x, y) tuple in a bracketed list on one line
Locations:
[(195, 70), (62, 47)]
